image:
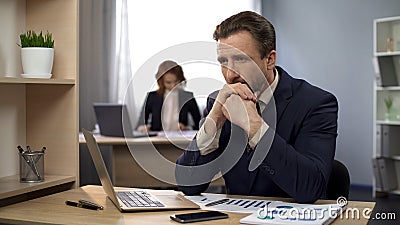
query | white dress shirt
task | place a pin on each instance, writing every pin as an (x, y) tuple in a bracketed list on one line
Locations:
[(169, 111)]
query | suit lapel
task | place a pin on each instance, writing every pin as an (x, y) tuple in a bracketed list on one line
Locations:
[(282, 96)]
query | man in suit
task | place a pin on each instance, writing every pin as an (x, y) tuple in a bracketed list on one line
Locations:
[(268, 133)]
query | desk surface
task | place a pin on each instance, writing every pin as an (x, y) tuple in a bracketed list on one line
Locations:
[(106, 140), (52, 210)]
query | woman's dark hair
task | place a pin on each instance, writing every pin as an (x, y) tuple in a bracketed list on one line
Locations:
[(259, 27), (168, 66)]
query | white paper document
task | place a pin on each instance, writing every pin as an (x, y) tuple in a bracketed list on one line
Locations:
[(273, 212), (187, 134), (239, 205)]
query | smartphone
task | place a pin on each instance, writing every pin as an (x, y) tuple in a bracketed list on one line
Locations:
[(200, 216)]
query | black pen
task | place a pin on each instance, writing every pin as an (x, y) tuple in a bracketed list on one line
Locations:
[(221, 201), (86, 202), (85, 206), (35, 170)]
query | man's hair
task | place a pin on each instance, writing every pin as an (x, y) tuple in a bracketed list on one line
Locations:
[(259, 27)]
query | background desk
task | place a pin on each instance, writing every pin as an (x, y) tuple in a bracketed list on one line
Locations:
[(52, 210), (125, 170)]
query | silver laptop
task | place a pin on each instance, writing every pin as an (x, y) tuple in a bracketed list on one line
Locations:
[(129, 199)]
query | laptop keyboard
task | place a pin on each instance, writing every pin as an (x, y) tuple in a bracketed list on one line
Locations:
[(138, 199)]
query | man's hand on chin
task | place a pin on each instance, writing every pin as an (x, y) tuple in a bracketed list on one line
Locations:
[(242, 113)]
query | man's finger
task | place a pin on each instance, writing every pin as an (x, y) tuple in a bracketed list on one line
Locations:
[(244, 92)]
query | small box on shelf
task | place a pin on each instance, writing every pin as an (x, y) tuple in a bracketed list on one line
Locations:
[(385, 179), (397, 172), (387, 35), (387, 140), (389, 70)]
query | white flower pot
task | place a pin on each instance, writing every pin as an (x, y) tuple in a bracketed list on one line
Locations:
[(37, 62)]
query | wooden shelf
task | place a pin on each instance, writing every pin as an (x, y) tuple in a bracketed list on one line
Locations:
[(36, 111), (387, 19), (395, 157), (13, 80), (397, 192), (391, 88), (383, 122), (10, 186), (396, 53)]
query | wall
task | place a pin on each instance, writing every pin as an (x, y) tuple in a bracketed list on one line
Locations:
[(12, 108), (329, 43), (12, 23)]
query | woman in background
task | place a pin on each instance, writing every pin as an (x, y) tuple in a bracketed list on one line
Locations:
[(170, 105)]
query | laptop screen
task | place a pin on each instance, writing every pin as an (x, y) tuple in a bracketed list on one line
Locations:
[(113, 119)]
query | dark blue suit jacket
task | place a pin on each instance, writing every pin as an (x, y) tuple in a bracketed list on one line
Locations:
[(153, 105), (298, 163)]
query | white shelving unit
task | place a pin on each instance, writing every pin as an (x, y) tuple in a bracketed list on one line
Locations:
[(39, 112), (386, 154)]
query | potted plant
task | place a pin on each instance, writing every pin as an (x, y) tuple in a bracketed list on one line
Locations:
[(37, 53), (389, 104)]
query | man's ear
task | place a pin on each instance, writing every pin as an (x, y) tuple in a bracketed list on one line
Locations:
[(270, 60)]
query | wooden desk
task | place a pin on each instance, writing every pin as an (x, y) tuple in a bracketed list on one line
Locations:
[(52, 210), (126, 170)]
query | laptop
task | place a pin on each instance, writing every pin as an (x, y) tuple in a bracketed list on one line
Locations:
[(132, 200), (113, 120)]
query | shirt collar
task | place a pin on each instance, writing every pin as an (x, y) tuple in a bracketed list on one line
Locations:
[(266, 95)]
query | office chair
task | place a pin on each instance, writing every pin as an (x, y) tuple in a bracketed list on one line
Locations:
[(339, 181)]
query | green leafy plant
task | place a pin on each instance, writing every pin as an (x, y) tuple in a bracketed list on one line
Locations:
[(388, 103), (31, 39)]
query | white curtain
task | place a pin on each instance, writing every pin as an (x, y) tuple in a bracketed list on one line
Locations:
[(119, 91)]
